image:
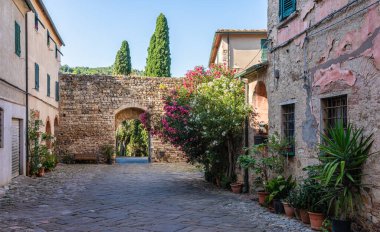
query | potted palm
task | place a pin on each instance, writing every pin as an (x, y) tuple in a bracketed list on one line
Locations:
[(344, 152)]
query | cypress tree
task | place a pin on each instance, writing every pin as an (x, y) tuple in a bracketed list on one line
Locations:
[(122, 65), (159, 61)]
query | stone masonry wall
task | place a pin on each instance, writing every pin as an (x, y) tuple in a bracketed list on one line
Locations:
[(89, 105), (340, 56)]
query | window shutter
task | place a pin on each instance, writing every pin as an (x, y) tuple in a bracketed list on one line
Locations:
[(48, 85), (48, 38), (56, 91), (36, 22), (56, 51), (36, 76), (17, 39), (264, 50), (287, 7)]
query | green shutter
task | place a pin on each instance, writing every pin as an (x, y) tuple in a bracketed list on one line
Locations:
[(48, 85), (17, 39), (264, 50), (56, 91), (48, 38), (36, 76), (287, 7)]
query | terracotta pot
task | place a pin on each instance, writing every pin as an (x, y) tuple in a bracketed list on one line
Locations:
[(236, 187), (262, 196), (316, 220), (289, 210), (41, 172), (304, 216)]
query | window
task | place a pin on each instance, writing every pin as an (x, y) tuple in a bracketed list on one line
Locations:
[(334, 110), (36, 76), (48, 38), (48, 85), (36, 22), (288, 125), (17, 39), (56, 91), (287, 7), (1, 127), (264, 50)]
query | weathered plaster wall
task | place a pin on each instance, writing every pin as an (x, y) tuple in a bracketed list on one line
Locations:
[(343, 59), (90, 106)]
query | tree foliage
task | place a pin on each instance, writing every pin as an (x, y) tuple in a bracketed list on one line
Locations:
[(122, 65), (159, 61), (132, 139), (94, 71)]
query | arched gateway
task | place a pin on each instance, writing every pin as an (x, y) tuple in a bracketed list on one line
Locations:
[(91, 108)]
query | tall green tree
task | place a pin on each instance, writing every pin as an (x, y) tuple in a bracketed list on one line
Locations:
[(159, 61), (123, 65)]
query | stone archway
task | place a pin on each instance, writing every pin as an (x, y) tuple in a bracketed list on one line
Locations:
[(92, 106), (260, 104), (130, 112)]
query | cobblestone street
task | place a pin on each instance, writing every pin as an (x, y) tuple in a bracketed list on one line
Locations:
[(132, 197)]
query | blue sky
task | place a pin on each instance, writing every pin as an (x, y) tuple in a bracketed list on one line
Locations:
[(94, 29)]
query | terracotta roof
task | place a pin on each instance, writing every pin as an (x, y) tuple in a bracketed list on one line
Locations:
[(220, 32), (241, 31)]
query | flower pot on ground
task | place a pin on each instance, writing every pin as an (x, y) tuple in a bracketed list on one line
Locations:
[(316, 220), (41, 172), (304, 216), (341, 226), (262, 195), (278, 189), (236, 187), (289, 210)]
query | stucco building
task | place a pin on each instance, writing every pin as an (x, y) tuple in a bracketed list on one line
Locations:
[(238, 49), (29, 65), (324, 65)]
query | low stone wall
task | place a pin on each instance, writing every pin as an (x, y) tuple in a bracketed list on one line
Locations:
[(89, 105)]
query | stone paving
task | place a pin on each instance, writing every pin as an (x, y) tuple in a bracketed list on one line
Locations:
[(131, 197)]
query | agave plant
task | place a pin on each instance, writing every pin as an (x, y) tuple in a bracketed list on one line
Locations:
[(344, 150)]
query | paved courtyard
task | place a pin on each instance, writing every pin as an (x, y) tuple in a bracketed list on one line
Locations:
[(131, 197)]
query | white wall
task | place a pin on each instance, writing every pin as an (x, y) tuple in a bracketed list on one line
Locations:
[(18, 112)]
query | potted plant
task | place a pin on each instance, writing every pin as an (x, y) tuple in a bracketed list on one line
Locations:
[(289, 210), (344, 151), (279, 189), (41, 170), (236, 187), (317, 206), (294, 200), (109, 152)]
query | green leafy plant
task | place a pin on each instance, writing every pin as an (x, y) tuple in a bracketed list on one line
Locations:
[(279, 188), (108, 151), (50, 161), (246, 161), (344, 151)]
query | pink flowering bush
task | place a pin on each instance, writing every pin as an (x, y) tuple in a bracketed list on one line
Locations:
[(204, 118)]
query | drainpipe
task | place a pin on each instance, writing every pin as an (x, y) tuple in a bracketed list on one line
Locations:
[(26, 95), (228, 52), (246, 143)]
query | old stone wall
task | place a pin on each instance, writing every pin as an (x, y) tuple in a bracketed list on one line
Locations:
[(318, 58), (92, 106)]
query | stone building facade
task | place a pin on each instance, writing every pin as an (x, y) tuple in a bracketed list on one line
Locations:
[(325, 64), (92, 107)]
